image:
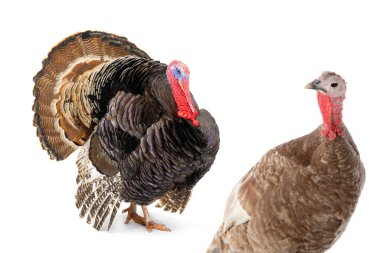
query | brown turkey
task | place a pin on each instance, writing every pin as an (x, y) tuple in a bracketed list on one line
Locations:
[(300, 196), (142, 134)]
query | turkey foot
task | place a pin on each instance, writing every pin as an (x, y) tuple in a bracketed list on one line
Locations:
[(151, 224), (145, 221), (132, 215)]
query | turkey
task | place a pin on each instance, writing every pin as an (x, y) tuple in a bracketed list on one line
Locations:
[(300, 196), (142, 136)]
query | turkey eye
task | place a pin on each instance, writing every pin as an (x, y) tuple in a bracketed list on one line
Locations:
[(177, 73), (334, 85)]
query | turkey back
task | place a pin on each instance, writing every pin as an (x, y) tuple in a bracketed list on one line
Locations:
[(63, 113)]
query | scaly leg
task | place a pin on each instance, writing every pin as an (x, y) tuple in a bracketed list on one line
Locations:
[(132, 215), (151, 224)]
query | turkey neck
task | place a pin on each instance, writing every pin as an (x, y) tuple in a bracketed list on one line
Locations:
[(331, 110), (337, 158)]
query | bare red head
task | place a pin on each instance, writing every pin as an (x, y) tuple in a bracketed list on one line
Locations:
[(178, 74), (331, 93)]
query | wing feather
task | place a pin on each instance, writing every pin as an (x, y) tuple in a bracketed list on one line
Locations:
[(175, 201), (97, 194)]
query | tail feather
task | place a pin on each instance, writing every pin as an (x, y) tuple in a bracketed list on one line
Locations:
[(62, 110)]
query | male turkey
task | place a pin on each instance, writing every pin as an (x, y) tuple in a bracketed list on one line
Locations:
[(143, 136), (300, 196)]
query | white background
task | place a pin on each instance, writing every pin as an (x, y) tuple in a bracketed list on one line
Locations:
[(249, 63)]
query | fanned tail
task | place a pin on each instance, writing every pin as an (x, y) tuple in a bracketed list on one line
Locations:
[(98, 196), (63, 112)]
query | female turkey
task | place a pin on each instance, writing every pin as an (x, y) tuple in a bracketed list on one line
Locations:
[(143, 136), (300, 196)]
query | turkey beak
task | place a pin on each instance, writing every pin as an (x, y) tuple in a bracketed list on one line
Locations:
[(315, 85)]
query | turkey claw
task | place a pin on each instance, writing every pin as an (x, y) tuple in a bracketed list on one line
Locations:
[(150, 225)]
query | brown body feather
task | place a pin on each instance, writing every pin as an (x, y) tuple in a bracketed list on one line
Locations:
[(297, 199)]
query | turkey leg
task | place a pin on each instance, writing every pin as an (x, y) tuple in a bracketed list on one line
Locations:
[(151, 224), (132, 215)]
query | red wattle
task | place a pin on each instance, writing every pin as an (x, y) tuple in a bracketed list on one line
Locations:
[(182, 98), (331, 110)]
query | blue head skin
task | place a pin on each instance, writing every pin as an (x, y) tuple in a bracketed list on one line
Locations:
[(179, 74)]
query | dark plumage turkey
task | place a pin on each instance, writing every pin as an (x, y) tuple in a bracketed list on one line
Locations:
[(142, 134)]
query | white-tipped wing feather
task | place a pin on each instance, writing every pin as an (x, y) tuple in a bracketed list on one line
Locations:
[(98, 195)]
